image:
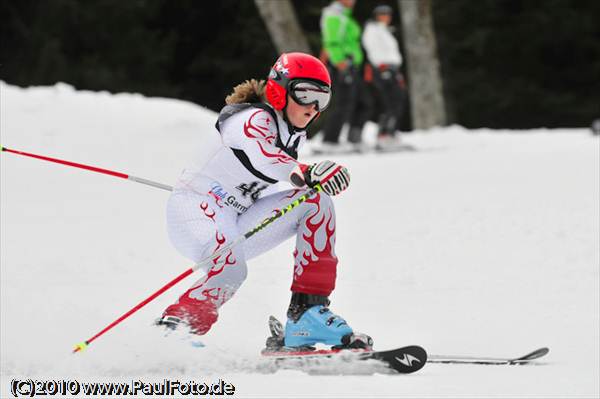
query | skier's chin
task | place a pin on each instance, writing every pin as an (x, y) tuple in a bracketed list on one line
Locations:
[(302, 125)]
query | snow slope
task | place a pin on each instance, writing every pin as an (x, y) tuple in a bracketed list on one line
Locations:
[(481, 242)]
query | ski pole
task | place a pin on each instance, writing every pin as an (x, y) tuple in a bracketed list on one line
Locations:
[(83, 345), (93, 169)]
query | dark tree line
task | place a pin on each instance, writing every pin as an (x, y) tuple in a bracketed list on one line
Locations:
[(520, 63), (505, 63)]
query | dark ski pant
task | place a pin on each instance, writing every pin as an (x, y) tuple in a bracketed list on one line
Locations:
[(352, 103), (392, 97)]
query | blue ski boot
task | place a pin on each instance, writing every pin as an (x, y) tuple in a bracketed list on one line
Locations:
[(310, 322)]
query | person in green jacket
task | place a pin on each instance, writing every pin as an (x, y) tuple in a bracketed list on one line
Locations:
[(341, 35)]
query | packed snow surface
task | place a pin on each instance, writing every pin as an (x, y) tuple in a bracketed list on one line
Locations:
[(480, 242)]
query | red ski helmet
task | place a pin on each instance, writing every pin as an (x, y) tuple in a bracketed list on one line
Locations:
[(289, 67)]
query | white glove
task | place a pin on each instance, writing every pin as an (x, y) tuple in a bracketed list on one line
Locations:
[(332, 177)]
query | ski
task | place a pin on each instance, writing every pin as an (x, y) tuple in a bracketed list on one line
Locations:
[(536, 354), (404, 360)]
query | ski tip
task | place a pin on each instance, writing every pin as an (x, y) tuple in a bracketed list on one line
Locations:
[(529, 357), (543, 351), (534, 355)]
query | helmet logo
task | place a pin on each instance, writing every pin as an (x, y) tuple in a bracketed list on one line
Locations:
[(280, 68)]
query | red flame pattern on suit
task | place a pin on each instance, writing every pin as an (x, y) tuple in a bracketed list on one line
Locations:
[(293, 193), (220, 239), (198, 305), (208, 211), (315, 259), (210, 293), (217, 199), (219, 264), (255, 131)]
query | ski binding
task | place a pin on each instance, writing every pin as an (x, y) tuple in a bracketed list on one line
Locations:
[(403, 360)]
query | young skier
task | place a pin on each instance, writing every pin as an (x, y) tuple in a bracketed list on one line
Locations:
[(262, 127)]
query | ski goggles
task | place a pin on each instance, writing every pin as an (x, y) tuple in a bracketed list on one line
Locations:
[(307, 92)]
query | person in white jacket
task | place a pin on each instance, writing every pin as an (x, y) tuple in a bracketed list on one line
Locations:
[(383, 54)]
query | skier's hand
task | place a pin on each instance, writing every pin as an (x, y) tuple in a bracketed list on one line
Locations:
[(401, 80), (342, 66), (332, 177)]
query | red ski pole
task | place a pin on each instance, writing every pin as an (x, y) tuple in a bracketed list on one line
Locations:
[(92, 168), (81, 346)]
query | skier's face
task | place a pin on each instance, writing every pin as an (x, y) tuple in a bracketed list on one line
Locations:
[(300, 115), (385, 18), (347, 3)]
